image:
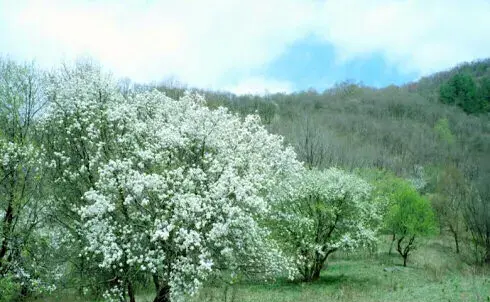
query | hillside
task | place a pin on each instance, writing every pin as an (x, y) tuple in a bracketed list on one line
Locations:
[(122, 192), (402, 129), (429, 86)]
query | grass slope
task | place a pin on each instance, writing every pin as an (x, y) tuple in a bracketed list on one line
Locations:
[(434, 273)]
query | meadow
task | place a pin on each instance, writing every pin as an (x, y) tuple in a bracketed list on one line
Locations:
[(435, 273)]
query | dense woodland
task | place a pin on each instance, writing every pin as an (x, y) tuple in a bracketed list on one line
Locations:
[(109, 188)]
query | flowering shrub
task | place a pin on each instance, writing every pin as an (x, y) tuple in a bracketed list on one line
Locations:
[(321, 212), (170, 188)]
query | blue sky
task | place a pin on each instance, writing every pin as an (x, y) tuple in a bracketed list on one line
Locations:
[(254, 45), (311, 63)]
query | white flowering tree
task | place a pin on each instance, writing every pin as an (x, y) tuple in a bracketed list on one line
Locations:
[(322, 212), (77, 139), (170, 189)]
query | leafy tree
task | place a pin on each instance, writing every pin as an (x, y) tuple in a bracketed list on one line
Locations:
[(411, 216), (386, 187), (461, 90), (322, 212)]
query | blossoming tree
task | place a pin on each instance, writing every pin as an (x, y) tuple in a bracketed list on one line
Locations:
[(77, 139), (172, 189), (322, 212)]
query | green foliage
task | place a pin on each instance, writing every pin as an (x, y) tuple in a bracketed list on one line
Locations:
[(9, 289), (411, 214), (484, 94), (459, 90), (429, 86), (409, 217), (386, 190), (462, 90), (442, 129)]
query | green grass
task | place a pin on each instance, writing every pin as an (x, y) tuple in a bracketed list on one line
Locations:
[(434, 273)]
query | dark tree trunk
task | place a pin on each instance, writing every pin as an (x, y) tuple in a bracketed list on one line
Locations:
[(456, 240), (455, 236), (81, 284), (131, 292), (404, 251), (7, 225), (163, 294), (156, 282), (316, 274), (313, 273)]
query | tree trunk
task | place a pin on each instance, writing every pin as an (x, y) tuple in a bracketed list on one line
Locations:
[(131, 292), (405, 251), (7, 225), (81, 284), (313, 273), (456, 241), (156, 282), (455, 236), (316, 273), (163, 294)]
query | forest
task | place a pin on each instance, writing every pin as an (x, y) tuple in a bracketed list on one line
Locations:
[(112, 190)]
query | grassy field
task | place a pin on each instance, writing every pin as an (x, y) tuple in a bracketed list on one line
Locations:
[(435, 273)]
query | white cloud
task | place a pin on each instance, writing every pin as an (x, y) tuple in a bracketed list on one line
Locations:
[(260, 86), (223, 43), (416, 36), (199, 42)]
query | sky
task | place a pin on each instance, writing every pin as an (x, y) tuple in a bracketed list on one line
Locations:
[(251, 46)]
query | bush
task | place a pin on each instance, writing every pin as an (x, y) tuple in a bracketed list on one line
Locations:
[(9, 289)]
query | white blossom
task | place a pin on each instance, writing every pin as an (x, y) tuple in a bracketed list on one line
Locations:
[(176, 188)]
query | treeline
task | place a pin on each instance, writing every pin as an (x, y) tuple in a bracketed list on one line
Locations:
[(466, 86)]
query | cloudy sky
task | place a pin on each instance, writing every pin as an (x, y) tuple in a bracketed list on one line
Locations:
[(251, 45)]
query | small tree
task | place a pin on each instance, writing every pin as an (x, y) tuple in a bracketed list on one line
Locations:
[(386, 187), (452, 192), (411, 216), (322, 212)]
